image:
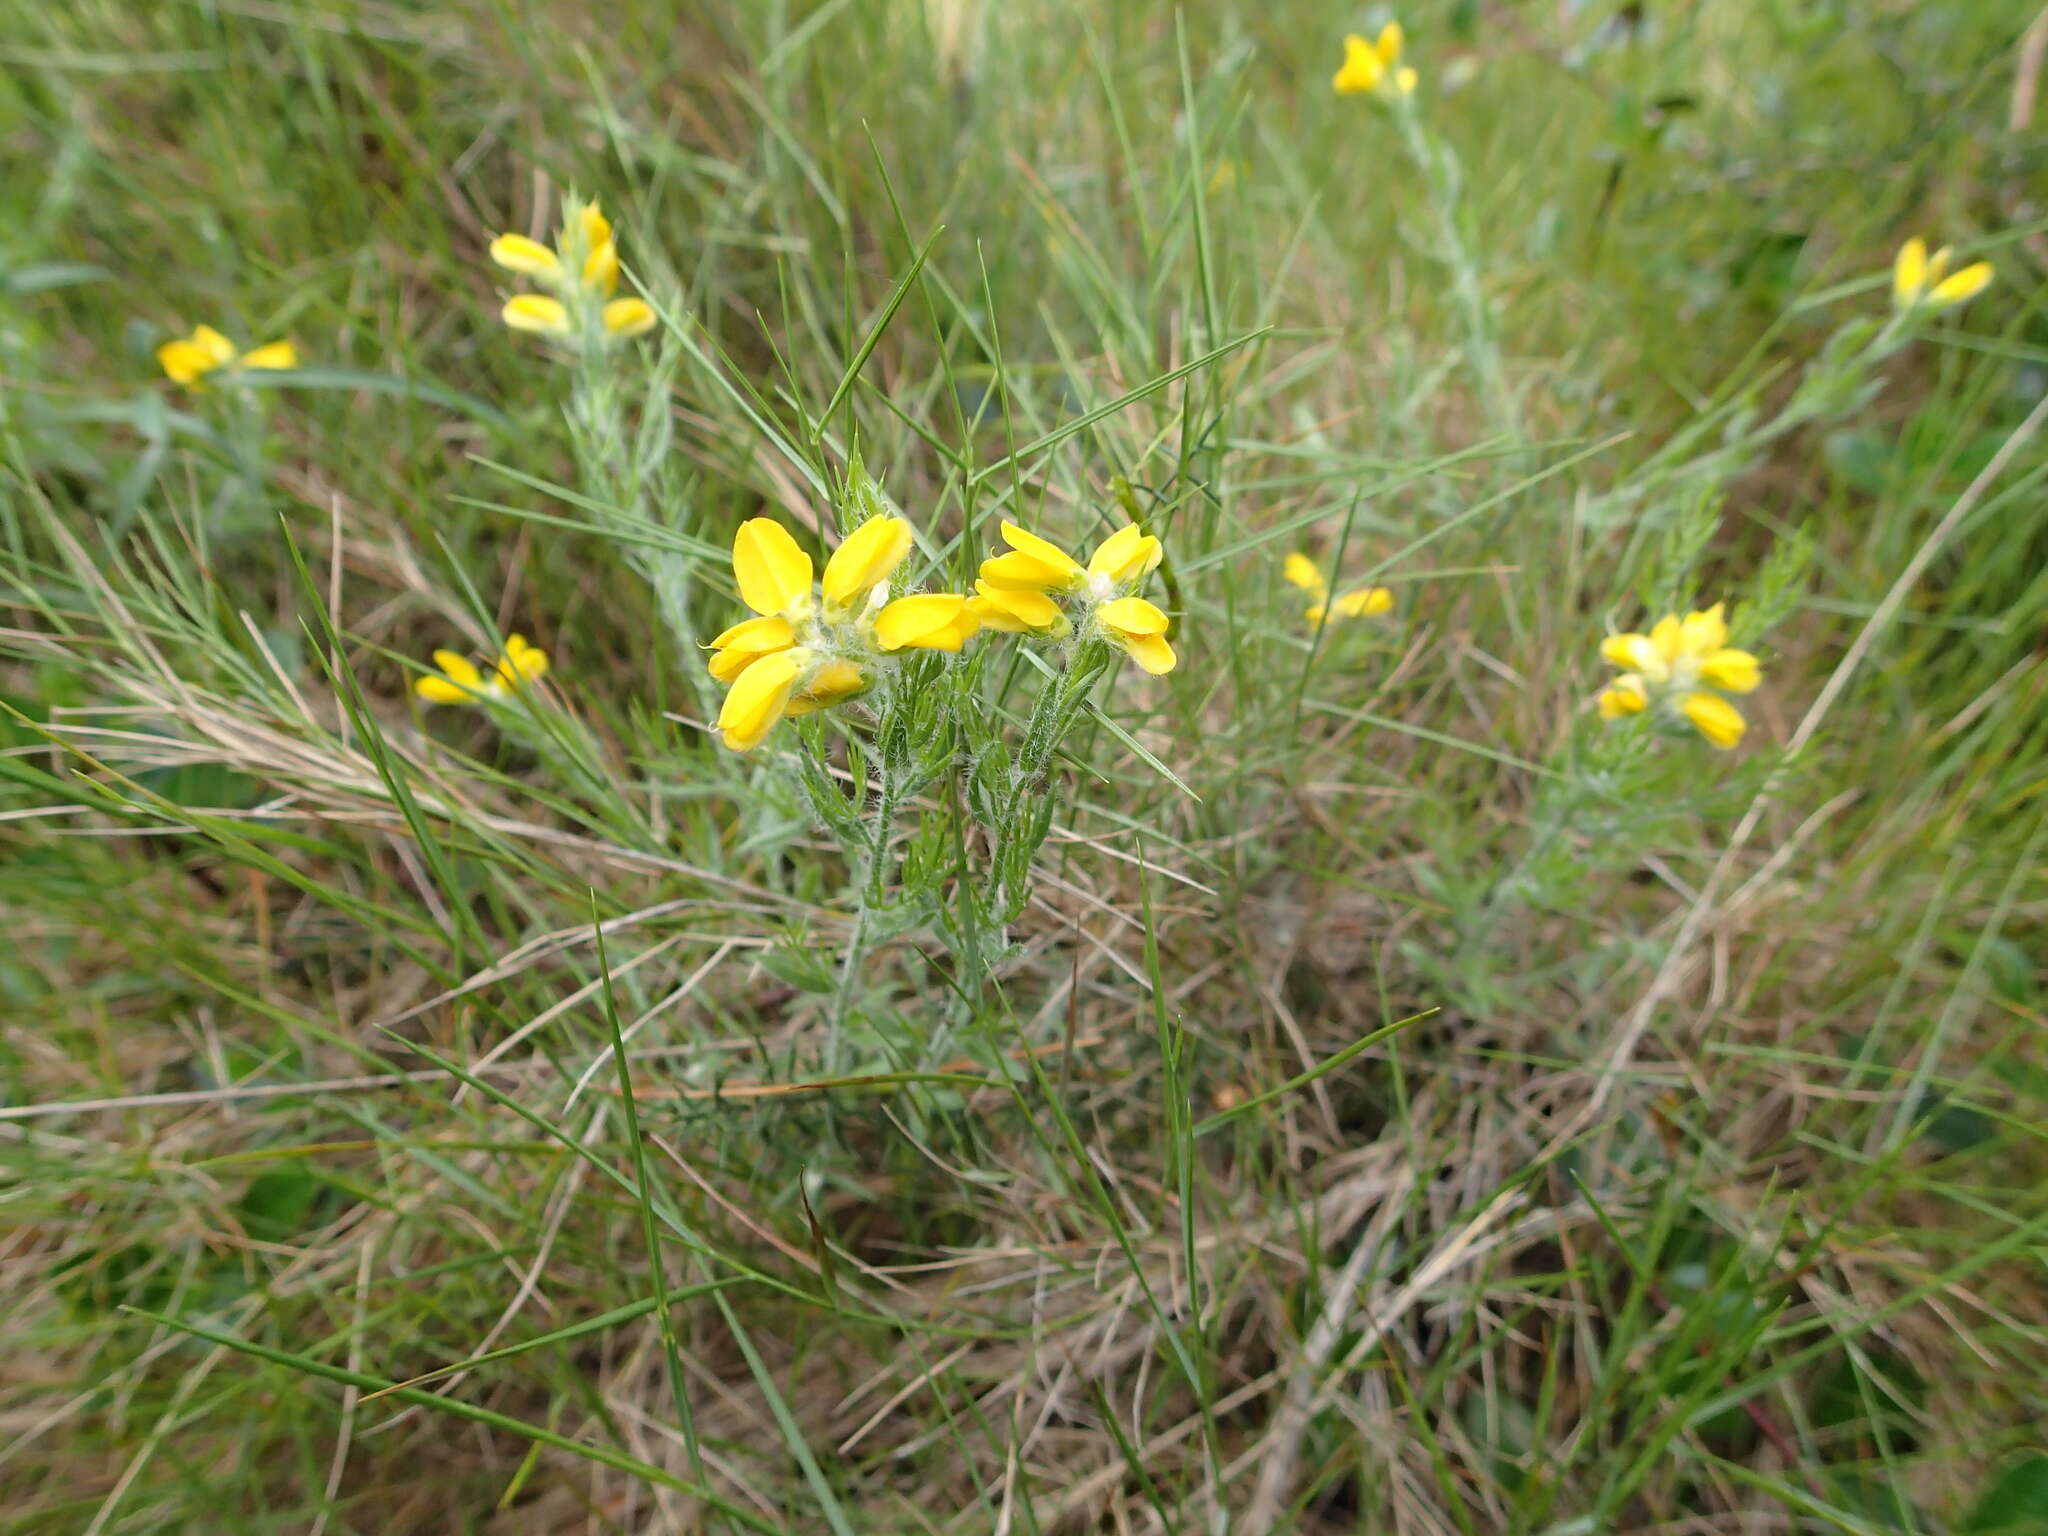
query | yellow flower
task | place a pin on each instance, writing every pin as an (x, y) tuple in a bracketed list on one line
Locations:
[(1920, 280), (460, 681), (189, 359), (758, 698), (1374, 66), (1358, 603), (1015, 591), (1674, 666), (836, 633), (582, 271)]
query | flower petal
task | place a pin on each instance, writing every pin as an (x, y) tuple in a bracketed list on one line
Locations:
[(184, 362), (436, 689), (1152, 653), (1909, 272), (747, 642), (923, 622), (274, 354), (865, 557), (601, 269), (1361, 71), (1714, 718), (773, 572), (1405, 80), (521, 663), (1130, 554), (1364, 603), (213, 344), (1702, 632), (594, 226), (1016, 612), (1667, 635), (757, 698), (834, 681), (1731, 671), (1625, 697), (460, 668), (1962, 287), (532, 312), (520, 254), (629, 317), (1066, 569), (1131, 616), (1304, 573), (1388, 45)]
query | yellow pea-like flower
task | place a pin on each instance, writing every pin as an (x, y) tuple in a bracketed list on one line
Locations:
[(189, 359), (833, 683), (1128, 555), (865, 559), (1373, 65), (758, 698), (1682, 667), (628, 317), (771, 568), (1032, 565), (462, 681), (537, 314), (747, 642), (1139, 628), (1017, 612), (1359, 603), (1921, 281), (927, 621), (581, 270)]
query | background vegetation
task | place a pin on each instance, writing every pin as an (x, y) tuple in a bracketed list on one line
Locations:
[(1405, 1104)]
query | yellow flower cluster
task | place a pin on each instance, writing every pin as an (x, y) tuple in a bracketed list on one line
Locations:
[(1358, 603), (1675, 667), (1373, 65), (1920, 281), (807, 648), (582, 273), (190, 359), (460, 681), (1018, 591)]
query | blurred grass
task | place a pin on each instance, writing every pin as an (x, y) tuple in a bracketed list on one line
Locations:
[(1789, 1278)]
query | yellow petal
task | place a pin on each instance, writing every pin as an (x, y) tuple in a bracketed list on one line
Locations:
[(532, 312), (920, 621), (595, 227), (1131, 616), (1388, 47), (275, 354), (1937, 266), (523, 255), (1130, 554), (747, 642), (1364, 603), (629, 317), (1066, 570), (1701, 633), (1361, 71), (757, 698), (522, 663), (1714, 717), (183, 362), (865, 557), (438, 690), (1151, 652), (213, 344), (1315, 613), (601, 269), (832, 682), (1909, 272), (1962, 287), (1625, 697), (1731, 671), (1667, 635), (773, 572), (1303, 573), (1405, 80), (1019, 572), (1016, 612), (459, 668), (957, 633)]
